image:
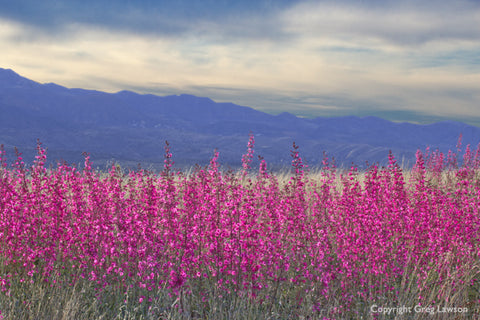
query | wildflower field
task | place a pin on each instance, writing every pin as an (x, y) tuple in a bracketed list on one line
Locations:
[(76, 243)]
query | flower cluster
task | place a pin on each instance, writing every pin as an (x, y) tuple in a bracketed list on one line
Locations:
[(327, 234)]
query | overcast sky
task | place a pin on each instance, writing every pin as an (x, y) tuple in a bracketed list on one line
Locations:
[(401, 60)]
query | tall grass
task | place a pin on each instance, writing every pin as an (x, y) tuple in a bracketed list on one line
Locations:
[(379, 244)]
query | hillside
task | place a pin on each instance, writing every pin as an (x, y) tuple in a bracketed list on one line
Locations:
[(131, 128)]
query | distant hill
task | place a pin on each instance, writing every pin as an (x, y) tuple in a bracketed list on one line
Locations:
[(131, 128)]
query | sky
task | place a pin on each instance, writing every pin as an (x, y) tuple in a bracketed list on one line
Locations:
[(416, 61)]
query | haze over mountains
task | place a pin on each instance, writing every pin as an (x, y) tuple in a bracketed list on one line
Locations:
[(130, 128)]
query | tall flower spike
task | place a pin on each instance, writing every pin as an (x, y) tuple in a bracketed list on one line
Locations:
[(248, 157), (167, 162), (263, 167), (213, 168), (3, 159), (459, 143), (297, 162)]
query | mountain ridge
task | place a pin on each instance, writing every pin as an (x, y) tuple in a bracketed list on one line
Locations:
[(130, 128)]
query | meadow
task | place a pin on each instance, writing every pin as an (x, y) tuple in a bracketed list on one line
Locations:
[(384, 243)]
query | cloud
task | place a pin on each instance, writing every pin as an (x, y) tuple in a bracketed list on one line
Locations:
[(396, 23), (159, 18), (309, 58)]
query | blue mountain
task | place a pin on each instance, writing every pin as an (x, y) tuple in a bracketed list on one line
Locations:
[(130, 128)]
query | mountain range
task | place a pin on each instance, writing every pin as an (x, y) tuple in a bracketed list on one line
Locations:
[(129, 129)]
